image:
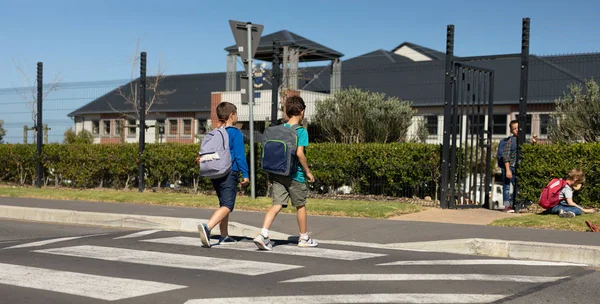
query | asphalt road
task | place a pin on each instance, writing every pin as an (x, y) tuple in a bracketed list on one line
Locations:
[(44, 263)]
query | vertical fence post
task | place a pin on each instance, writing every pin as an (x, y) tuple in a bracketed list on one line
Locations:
[(46, 129), (449, 81), (490, 108), (276, 82), (39, 124), (142, 109), (522, 102)]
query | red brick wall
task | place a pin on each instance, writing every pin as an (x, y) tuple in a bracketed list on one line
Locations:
[(215, 100), (113, 138), (180, 138)]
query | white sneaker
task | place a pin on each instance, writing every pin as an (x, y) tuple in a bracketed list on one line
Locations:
[(566, 214), (310, 242), (263, 243)]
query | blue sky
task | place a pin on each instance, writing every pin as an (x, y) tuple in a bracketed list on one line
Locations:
[(94, 40)]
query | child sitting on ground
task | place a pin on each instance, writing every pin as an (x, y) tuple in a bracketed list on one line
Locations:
[(567, 208)]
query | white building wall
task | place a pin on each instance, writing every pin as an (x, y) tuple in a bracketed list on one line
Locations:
[(262, 105), (410, 53)]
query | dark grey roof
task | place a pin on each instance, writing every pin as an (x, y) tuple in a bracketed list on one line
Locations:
[(431, 53), (314, 51), (378, 57), (421, 82), (189, 93)]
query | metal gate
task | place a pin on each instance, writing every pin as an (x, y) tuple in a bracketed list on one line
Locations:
[(466, 150)]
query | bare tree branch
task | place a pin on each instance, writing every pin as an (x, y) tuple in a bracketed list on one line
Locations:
[(31, 101), (132, 97)]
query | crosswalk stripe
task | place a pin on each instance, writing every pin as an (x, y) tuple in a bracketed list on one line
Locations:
[(137, 234), (423, 277), (87, 285), (281, 249), (479, 262), (51, 241), (242, 267), (415, 298)]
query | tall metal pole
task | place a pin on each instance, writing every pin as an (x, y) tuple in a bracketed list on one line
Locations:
[(276, 82), (142, 109), (449, 81), (251, 105), (522, 101), (39, 128)]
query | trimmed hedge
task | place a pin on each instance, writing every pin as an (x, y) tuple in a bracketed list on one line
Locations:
[(397, 169), (541, 163), (386, 169)]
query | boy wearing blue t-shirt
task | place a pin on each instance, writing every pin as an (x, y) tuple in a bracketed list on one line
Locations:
[(226, 187), (291, 187)]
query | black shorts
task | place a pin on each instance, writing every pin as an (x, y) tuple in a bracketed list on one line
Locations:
[(226, 188)]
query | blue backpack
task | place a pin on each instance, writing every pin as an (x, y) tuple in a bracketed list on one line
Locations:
[(215, 157), (279, 150), (501, 146)]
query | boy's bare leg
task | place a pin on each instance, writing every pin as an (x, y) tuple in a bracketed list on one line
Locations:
[(223, 225), (270, 216), (218, 217), (301, 215)]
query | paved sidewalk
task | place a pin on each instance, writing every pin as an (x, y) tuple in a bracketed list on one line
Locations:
[(464, 216)]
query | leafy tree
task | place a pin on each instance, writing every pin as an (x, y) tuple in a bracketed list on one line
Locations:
[(421, 133), (356, 116), (83, 137), (577, 115)]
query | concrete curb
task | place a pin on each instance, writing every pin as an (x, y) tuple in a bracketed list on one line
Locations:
[(132, 221), (579, 254)]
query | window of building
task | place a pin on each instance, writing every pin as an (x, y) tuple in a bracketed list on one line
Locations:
[(431, 121), (131, 128), (476, 123), (173, 127), (95, 127), (106, 127), (118, 126), (545, 121), (201, 126), (160, 126), (499, 126), (187, 127)]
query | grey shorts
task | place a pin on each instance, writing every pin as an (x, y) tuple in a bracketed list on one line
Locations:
[(285, 188)]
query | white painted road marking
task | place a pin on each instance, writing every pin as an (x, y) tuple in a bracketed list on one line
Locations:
[(51, 241), (250, 268), (423, 277), (479, 262), (86, 285), (281, 249), (137, 234), (416, 298)]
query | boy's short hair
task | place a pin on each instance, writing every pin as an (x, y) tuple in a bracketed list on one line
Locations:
[(294, 106), (513, 122), (224, 109), (577, 176)]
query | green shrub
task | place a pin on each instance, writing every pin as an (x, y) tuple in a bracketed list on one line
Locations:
[(543, 162)]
